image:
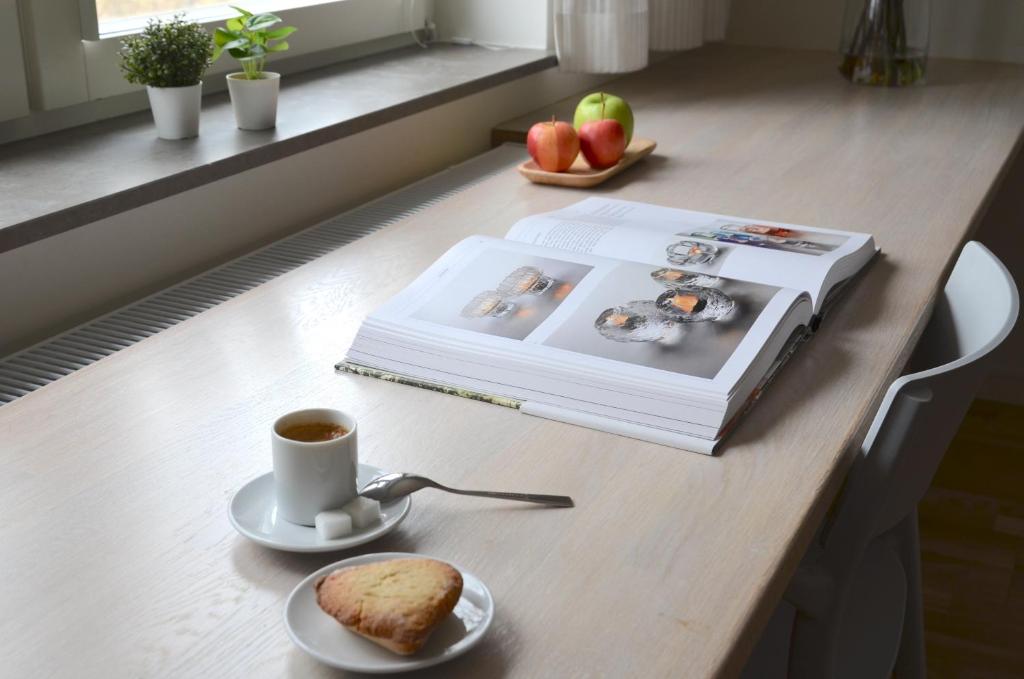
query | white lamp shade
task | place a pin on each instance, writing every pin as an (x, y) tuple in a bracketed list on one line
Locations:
[(601, 36)]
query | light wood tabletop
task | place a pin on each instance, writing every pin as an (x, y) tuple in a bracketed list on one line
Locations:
[(117, 555)]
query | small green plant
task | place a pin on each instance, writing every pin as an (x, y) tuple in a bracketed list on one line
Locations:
[(247, 39), (172, 53)]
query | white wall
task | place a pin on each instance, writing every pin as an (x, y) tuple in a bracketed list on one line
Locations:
[(111, 262), (515, 23), (989, 30), (13, 84)]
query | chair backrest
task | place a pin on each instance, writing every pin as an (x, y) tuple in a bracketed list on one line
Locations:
[(922, 411)]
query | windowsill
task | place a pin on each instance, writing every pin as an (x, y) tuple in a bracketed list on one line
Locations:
[(58, 182)]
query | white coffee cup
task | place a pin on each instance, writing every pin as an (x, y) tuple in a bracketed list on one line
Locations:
[(310, 477)]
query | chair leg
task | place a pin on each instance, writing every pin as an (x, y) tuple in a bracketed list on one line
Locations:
[(910, 663)]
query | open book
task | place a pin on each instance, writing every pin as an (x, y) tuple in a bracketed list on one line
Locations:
[(645, 321)]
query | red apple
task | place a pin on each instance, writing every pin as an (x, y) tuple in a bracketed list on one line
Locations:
[(603, 142), (553, 145)]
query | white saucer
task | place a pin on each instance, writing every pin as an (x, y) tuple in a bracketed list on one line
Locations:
[(253, 513), (321, 636)]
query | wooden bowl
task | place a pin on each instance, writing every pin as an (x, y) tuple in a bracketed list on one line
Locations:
[(580, 175)]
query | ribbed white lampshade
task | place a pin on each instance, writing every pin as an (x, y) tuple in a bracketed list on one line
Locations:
[(677, 24), (601, 36)]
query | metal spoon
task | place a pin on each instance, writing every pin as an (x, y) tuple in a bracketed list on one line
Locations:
[(393, 486)]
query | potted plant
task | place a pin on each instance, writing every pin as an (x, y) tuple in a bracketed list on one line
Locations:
[(169, 58), (253, 90)]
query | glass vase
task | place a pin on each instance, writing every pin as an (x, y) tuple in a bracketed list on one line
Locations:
[(885, 42)]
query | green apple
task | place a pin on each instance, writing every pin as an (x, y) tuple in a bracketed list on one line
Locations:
[(601, 105)]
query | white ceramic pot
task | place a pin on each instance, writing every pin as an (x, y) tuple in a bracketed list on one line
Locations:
[(254, 101), (176, 110)]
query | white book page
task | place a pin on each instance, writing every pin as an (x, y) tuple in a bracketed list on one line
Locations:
[(778, 254), (580, 315)]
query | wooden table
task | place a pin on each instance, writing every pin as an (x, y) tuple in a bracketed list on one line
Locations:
[(117, 555)]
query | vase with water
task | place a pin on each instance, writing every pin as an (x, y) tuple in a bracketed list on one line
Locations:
[(885, 42)]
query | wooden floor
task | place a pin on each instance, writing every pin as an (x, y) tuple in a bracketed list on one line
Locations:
[(972, 543)]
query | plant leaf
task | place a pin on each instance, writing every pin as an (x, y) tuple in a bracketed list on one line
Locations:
[(239, 44), (234, 24), (243, 12), (279, 47), (282, 32), (222, 36), (258, 23)]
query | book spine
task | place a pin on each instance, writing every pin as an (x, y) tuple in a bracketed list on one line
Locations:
[(800, 335), (366, 371)]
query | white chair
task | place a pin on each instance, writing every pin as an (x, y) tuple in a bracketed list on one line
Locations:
[(854, 607)]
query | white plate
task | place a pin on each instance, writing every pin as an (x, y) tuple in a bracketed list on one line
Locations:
[(321, 636), (253, 513)]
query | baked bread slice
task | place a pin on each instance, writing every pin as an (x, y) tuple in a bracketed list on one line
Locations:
[(395, 603)]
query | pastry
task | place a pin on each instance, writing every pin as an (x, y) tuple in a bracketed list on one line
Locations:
[(395, 603)]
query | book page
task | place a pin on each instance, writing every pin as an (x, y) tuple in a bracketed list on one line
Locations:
[(782, 255), (580, 315)]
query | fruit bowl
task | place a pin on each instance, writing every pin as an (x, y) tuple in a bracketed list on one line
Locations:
[(580, 175)]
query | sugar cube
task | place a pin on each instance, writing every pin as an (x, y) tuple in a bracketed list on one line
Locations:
[(333, 524), (363, 511)]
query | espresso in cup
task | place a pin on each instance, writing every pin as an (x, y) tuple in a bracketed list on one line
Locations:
[(314, 431), (315, 463)]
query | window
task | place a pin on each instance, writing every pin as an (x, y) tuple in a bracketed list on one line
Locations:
[(71, 56), (111, 18), (61, 55), (108, 10)]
